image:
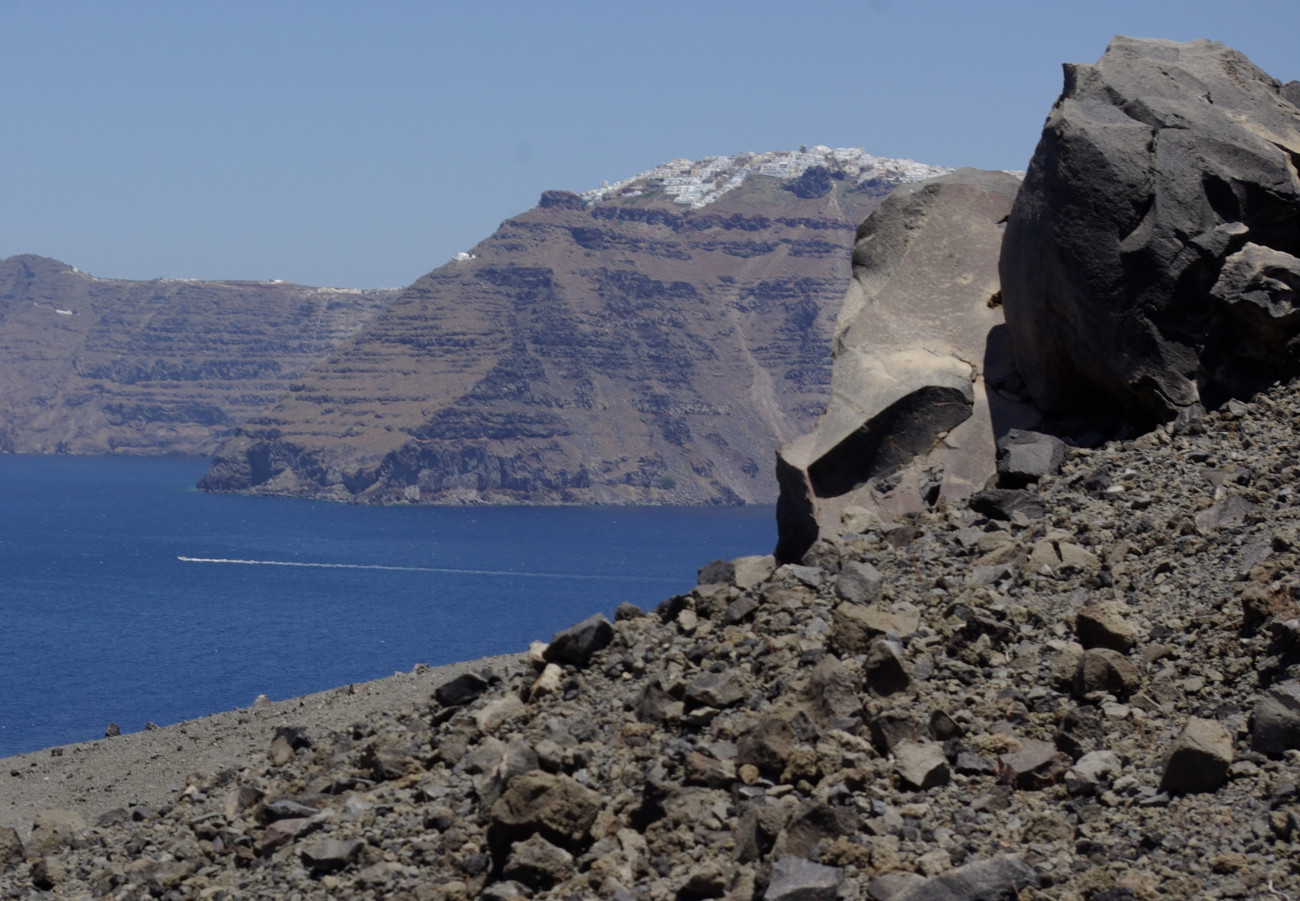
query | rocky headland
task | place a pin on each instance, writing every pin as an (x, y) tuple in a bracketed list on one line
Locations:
[(169, 366), (1077, 680), (652, 341)]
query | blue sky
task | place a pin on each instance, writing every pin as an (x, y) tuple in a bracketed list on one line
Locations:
[(362, 145)]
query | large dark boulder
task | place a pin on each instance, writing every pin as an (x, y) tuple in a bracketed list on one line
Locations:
[(911, 418), (1150, 260)]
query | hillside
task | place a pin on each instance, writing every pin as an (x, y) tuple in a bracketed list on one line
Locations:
[(929, 710), (95, 366), (652, 341)]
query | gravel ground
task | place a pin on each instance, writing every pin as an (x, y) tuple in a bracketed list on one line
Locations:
[(149, 768)]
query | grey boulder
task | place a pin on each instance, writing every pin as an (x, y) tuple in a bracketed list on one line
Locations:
[(1150, 260)]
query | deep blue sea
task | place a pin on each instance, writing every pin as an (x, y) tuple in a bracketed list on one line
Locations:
[(127, 596)]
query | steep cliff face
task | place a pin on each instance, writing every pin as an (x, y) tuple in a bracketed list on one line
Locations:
[(650, 342), (93, 366)]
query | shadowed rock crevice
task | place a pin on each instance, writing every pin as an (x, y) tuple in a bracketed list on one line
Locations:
[(903, 430)]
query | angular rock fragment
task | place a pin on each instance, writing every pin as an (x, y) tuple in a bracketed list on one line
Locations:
[(537, 863), (576, 645), (1101, 669), (859, 582), (1036, 765), (557, 807), (1199, 759), (884, 668), (52, 829), (461, 690), (1276, 726), (999, 879), (797, 879), (1103, 624), (1090, 770), (920, 765), (11, 847), (1005, 503), (1026, 456), (331, 855)]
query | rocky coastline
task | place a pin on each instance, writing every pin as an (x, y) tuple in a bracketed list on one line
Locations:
[(1074, 690), (1076, 679)]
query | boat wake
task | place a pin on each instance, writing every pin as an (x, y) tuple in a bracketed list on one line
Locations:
[(428, 569)]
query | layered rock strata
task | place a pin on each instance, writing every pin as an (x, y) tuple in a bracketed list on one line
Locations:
[(651, 342), (96, 366)]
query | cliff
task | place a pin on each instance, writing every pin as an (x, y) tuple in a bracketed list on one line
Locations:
[(94, 366), (653, 341)]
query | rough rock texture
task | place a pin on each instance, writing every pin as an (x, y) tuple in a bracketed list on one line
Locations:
[(1152, 257), (708, 756), (622, 347), (917, 397), (170, 366)]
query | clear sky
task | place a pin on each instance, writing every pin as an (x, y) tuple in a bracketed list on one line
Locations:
[(362, 144)]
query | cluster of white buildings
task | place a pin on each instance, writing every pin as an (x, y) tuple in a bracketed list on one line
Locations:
[(697, 183)]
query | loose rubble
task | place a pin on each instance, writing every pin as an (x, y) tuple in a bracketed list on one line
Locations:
[(925, 709)]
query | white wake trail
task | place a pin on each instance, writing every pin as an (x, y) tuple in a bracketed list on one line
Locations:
[(426, 569)]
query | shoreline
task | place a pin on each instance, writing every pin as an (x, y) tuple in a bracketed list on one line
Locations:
[(150, 767)]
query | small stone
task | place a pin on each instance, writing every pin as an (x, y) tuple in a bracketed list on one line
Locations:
[(281, 832), (884, 669), (1277, 720), (753, 571), (331, 854), (461, 690), (1104, 670), (576, 645), (1036, 765), (716, 689), (52, 829), (557, 806), (48, 872), (717, 572), (548, 682), (860, 583), (984, 880), (1199, 759), (537, 863), (855, 627), (285, 809), (1090, 770), (496, 712), (1025, 456), (920, 765), (1102, 624), (797, 879)]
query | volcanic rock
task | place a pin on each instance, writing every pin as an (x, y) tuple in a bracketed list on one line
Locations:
[(1150, 259), (576, 644), (642, 343), (1199, 758), (1277, 720), (913, 348), (170, 366)]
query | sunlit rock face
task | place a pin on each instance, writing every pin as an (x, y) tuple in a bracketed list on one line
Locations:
[(652, 341), (1152, 258)]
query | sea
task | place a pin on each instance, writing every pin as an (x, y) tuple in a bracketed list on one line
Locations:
[(129, 597)]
